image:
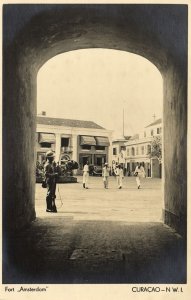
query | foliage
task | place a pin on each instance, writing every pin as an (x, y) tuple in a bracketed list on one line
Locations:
[(63, 170), (156, 147)]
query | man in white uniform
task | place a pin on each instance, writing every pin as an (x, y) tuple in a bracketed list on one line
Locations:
[(119, 176), (85, 175), (105, 175), (139, 173)]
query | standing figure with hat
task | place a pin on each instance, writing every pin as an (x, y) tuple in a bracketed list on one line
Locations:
[(105, 175), (119, 175), (50, 175)]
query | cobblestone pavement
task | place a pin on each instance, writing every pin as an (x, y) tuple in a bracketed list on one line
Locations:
[(98, 236)]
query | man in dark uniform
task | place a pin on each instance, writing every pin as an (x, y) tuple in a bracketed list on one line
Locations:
[(50, 175)]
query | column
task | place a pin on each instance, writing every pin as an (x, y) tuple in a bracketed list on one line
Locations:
[(74, 148), (110, 152), (57, 147), (74, 145)]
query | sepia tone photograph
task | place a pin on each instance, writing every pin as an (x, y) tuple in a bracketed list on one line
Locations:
[(94, 144)]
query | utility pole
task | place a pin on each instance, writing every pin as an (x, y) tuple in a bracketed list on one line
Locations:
[(154, 116), (123, 123)]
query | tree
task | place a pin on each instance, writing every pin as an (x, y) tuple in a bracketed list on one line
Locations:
[(156, 147)]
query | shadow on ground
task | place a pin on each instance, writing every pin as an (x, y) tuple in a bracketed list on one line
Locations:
[(63, 250)]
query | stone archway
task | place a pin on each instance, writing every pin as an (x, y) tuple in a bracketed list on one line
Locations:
[(43, 31)]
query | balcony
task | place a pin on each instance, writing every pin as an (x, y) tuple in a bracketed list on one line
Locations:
[(66, 149)]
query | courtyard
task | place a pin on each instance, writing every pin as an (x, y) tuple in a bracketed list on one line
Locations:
[(98, 236), (128, 204)]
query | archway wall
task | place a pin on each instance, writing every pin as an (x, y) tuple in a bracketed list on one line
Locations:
[(157, 32), (175, 148)]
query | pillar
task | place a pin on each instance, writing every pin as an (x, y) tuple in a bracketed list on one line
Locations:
[(110, 152), (57, 147), (74, 148)]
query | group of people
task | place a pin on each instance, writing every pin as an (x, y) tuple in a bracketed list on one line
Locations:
[(51, 174), (138, 173), (105, 175)]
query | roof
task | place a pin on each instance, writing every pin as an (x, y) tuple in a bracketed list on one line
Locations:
[(67, 122), (158, 121), (121, 139)]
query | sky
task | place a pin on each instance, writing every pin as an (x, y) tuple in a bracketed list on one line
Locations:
[(97, 85)]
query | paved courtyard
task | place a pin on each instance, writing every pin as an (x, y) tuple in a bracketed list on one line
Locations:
[(98, 236), (128, 204)]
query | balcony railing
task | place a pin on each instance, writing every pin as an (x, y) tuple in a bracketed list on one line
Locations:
[(66, 149)]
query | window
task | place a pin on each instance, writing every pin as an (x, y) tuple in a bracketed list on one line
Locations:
[(145, 134), (152, 132), (64, 142), (137, 150), (114, 151), (99, 161), (86, 147), (100, 147), (45, 145), (148, 149), (127, 152), (159, 130), (132, 151), (142, 150), (123, 148)]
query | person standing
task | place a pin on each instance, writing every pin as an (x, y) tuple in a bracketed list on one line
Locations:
[(105, 175), (86, 175), (139, 173), (50, 176), (119, 175)]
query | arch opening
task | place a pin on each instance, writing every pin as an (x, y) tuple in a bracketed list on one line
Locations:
[(123, 30), (98, 85)]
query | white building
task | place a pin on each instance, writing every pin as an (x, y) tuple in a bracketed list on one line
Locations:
[(119, 151), (138, 149), (73, 139)]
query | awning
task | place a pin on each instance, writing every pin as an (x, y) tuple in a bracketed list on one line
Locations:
[(102, 141), (47, 138), (87, 140)]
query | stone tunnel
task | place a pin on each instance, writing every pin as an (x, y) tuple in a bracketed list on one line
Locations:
[(33, 34)]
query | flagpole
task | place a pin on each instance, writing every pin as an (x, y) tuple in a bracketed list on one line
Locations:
[(123, 123)]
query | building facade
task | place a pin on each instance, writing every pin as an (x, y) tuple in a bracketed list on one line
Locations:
[(138, 150), (73, 139), (119, 152)]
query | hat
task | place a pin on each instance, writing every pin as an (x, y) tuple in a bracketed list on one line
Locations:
[(106, 164), (49, 154)]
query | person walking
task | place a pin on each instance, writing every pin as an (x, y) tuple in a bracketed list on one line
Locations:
[(139, 173), (50, 176), (119, 175), (105, 175), (86, 175)]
